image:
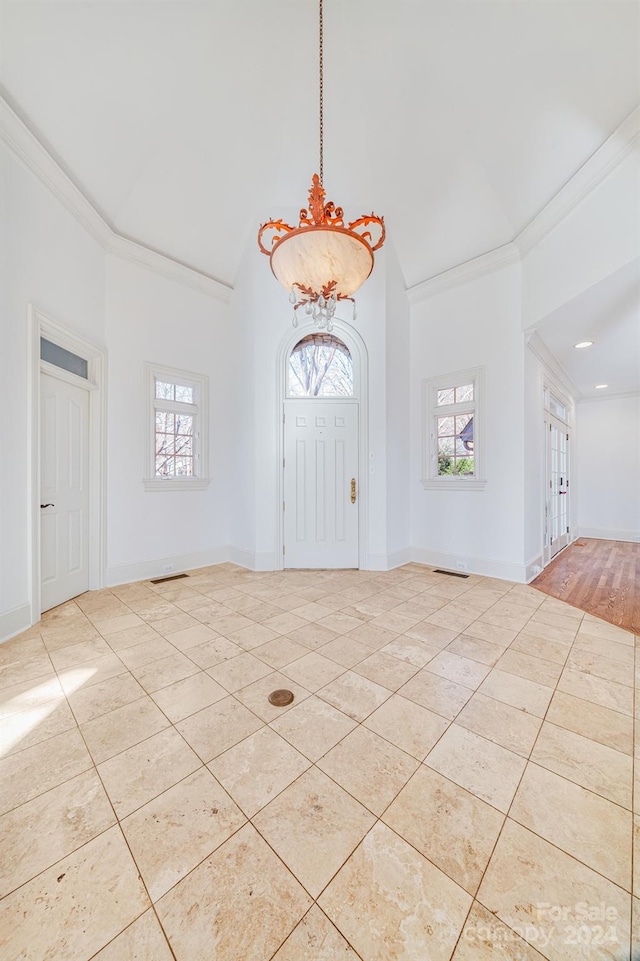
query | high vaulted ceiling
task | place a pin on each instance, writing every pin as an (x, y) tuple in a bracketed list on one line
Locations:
[(188, 122)]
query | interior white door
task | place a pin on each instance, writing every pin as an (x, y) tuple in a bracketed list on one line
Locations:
[(64, 490), (320, 484), (557, 506)]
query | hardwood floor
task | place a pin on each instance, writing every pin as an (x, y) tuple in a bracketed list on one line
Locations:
[(600, 577)]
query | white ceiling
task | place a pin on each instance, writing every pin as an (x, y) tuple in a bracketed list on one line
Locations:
[(188, 122), (609, 315)]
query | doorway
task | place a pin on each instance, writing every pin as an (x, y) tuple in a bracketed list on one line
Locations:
[(67, 417), (323, 479), (557, 534)]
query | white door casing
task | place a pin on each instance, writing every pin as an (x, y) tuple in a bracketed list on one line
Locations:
[(320, 484), (64, 490), (42, 325)]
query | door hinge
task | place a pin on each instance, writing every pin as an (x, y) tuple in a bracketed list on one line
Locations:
[(283, 461), (567, 530), (283, 548), (567, 437), (283, 505)]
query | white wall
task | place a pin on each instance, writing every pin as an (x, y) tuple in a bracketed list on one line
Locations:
[(471, 325), (534, 454), (151, 318), (261, 325), (608, 455), (244, 308), (397, 336), (598, 236), (49, 260)]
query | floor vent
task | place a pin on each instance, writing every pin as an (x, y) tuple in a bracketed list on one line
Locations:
[(169, 577), (450, 573)]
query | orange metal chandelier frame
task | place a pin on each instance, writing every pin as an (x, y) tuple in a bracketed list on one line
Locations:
[(326, 260), (322, 216)]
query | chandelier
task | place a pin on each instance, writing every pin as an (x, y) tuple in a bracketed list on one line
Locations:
[(323, 260)]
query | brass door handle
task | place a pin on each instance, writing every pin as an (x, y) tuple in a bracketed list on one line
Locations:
[(353, 490)]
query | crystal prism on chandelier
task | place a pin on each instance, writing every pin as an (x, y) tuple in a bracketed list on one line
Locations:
[(321, 261)]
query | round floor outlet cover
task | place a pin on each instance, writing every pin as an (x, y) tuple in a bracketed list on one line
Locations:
[(280, 698)]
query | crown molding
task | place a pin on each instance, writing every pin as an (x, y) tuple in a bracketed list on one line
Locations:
[(593, 172), (24, 145), (138, 253), (587, 178), (469, 270), (621, 395), (17, 137), (538, 347)]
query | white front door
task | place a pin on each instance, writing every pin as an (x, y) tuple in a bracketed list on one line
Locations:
[(557, 507), (64, 490), (320, 484)]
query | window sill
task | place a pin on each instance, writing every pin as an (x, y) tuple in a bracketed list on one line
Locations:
[(175, 484), (454, 483)]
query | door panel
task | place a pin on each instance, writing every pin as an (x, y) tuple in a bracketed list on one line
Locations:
[(64, 475), (557, 487), (321, 457)]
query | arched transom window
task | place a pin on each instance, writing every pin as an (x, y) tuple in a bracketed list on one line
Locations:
[(320, 365)]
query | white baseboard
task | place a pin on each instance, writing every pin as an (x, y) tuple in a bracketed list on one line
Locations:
[(605, 535), (253, 561), (160, 566), (266, 561), (533, 567), (398, 558), (484, 566), (15, 621), (388, 562)]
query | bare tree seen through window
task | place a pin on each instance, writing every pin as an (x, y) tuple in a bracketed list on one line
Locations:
[(174, 431), (320, 365)]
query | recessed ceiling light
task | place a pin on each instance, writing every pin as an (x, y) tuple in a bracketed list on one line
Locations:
[(583, 343), (601, 386)]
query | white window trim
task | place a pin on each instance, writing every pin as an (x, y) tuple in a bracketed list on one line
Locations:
[(200, 383), (430, 387), (550, 388)]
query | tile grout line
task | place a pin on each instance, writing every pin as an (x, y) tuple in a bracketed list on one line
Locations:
[(131, 854), (340, 934), (359, 723), (116, 824), (507, 817)]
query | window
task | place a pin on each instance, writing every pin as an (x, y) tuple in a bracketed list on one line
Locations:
[(176, 449), (453, 433), (320, 365), (63, 358), (556, 403)]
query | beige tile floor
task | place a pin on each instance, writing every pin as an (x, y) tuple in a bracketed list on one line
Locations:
[(454, 779)]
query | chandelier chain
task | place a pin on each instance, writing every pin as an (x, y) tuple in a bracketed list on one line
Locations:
[(321, 64), (320, 276)]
